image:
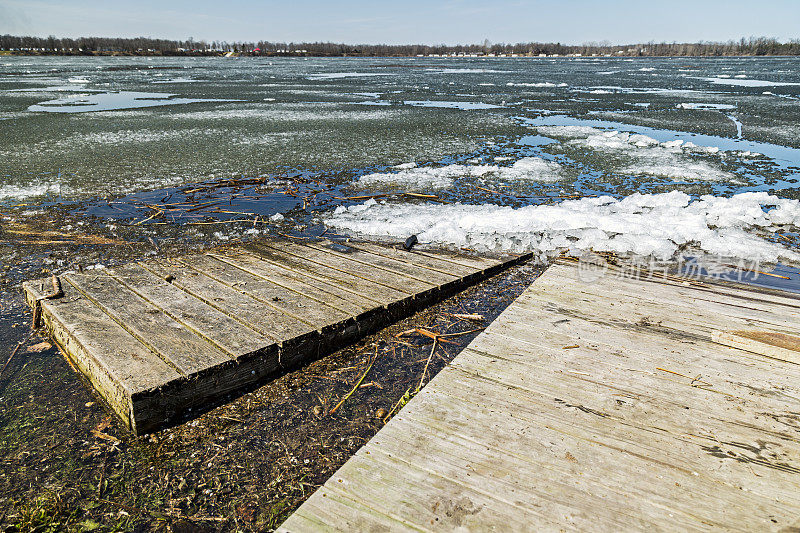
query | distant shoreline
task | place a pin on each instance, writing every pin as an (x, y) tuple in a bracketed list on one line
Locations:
[(149, 47), (228, 55)]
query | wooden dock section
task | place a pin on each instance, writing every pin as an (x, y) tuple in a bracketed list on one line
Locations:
[(159, 337), (615, 404)]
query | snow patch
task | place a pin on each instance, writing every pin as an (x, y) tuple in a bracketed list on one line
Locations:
[(465, 106), (703, 105), (525, 169), (536, 84), (343, 75), (648, 156), (725, 80), (657, 225), (21, 192)]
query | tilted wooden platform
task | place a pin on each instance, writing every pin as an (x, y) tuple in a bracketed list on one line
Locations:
[(159, 337), (613, 405)]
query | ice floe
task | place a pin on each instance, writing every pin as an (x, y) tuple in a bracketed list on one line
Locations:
[(466, 106), (705, 105), (536, 84), (282, 113), (343, 75), (107, 101), (21, 192), (467, 71), (721, 80), (645, 155), (425, 177), (414, 177), (133, 136), (178, 80), (656, 225)]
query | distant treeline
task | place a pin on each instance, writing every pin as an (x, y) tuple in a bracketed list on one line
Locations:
[(760, 46)]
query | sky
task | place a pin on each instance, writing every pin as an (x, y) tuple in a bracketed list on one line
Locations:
[(408, 21)]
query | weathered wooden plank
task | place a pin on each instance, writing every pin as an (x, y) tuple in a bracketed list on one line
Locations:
[(555, 317), (609, 405), (173, 342), (770, 343), (216, 327), (700, 321), (143, 389), (690, 301), (266, 320), (624, 310), (660, 381), (331, 511), (419, 259), (114, 361), (381, 277), (542, 420), (675, 465), (570, 480), (316, 290), (346, 281), (636, 407), (714, 288), (648, 294), (658, 288), (423, 498), (473, 261), (640, 350), (690, 289), (385, 263), (293, 304)]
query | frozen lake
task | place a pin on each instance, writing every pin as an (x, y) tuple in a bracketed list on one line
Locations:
[(654, 157)]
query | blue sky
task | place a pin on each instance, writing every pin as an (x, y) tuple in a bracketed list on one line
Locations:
[(409, 21)]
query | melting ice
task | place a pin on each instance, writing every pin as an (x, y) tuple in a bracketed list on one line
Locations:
[(409, 175), (659, 225)]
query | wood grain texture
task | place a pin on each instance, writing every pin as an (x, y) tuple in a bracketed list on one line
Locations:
[(373, 290), (158, 338), (616, 404)]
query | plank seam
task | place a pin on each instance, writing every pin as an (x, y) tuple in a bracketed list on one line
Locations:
[(180, 321), (248, 294), (329, 281), (215, 306), (325, 249), (265, 278), (355, 274), (474, 374), (147, 345), (405, 261)]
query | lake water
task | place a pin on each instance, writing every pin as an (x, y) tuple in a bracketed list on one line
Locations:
[(652, 157)]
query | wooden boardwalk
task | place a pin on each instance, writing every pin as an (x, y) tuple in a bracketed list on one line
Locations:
[(160, 337), (617, 404)]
